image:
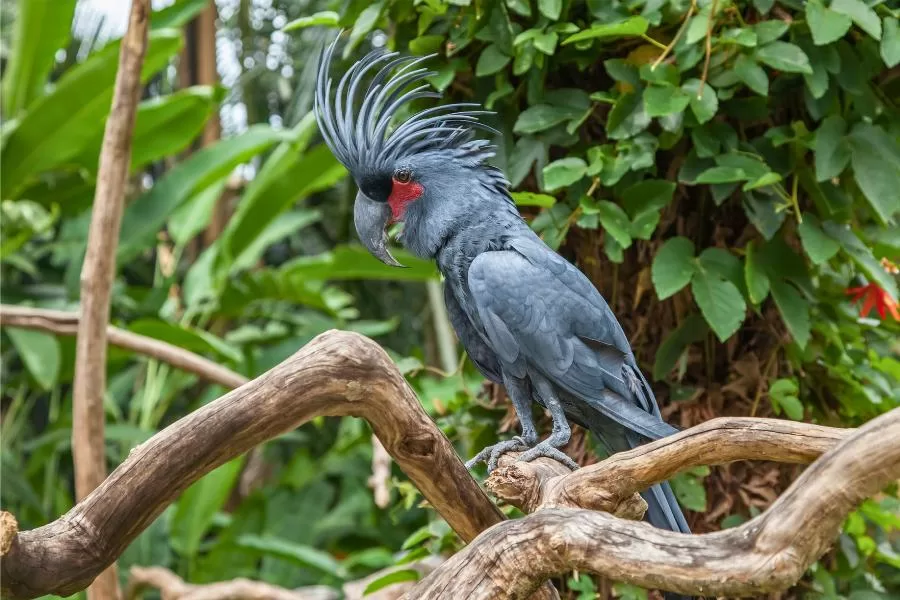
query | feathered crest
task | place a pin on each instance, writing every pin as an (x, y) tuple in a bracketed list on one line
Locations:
[(360, 139)]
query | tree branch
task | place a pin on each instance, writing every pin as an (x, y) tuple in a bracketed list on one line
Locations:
[(336, 374), (98, 272), (66, 323), (612, 485), (765, 554)]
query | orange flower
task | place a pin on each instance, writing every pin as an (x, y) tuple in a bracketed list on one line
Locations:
[(874, 297)]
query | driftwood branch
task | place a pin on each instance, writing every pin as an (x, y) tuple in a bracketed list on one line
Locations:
[(173, 587), (336, 374), (612, 485), (768, 553), (66, 323), (98, 272)]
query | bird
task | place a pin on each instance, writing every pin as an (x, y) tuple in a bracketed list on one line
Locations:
[(528, 318)]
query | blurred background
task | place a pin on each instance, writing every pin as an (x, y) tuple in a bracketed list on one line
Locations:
[(736, 205)]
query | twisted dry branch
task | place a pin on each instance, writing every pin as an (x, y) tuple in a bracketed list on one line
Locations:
[(340, 374), (337, 374), (768, 553)]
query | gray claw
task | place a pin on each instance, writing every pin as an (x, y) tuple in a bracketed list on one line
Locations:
[(547, 450), (491, 455)]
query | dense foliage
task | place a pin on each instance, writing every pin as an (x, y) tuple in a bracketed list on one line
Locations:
[(726, 172)]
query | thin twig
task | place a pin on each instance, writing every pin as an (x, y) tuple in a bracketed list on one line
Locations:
[(709, 28), (98, 272)]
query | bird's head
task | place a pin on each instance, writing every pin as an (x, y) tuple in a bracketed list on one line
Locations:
[(398, 169)]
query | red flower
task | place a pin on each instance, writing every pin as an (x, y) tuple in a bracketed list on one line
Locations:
[(874, 297)]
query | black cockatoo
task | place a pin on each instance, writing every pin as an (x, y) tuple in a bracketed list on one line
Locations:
[(528, 319)]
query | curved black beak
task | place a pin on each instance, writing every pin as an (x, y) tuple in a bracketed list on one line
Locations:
[(371, 218)]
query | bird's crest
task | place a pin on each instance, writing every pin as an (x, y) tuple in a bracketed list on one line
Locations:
[(361, 138)]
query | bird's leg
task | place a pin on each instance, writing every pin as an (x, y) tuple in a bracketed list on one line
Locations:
[(561, 430), (521, 398)]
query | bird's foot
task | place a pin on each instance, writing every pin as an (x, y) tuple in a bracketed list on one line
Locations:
[(548, 450), (491, 454)]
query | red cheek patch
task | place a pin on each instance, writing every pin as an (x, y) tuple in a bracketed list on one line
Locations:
[(402, 194)]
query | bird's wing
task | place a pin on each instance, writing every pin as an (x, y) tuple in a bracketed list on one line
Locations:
[(539, 312), (475, 345)]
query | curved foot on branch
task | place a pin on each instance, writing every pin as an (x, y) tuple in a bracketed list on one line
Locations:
[(491, 454)]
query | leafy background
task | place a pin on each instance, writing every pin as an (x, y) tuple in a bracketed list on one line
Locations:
[(724, 171)]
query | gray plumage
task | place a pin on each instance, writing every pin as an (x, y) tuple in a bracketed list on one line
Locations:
[(528, 318)]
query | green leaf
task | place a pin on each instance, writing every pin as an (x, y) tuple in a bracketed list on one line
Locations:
[(41, 28), (164, 126), (193, 216), (742, 36), (689, 491), (39, 352), (705, 104), (146, 215), (274, 189), (615, 222), (890, 42), (532, 199), (864, 16), (660, 101), (826, 25), (647, 195), (717, 175), (364, 23), (546, 42), (627, 117), (693, 329), (720, 301), (492, 59), (58, 125), (783, 395), (284, 225), (543, 116), (299, 554), (818, 246), (630, 27), (183, 336), (862, 256), (831, 147), (766, 179), (794, 310), (876, 166), (177, 15), (355, 262), (769, 31), (755, 275), (326, 18), (673, 266), (198, 504), (391, 578), (563, 172), (784, 57), (550, 8), (752, 75)]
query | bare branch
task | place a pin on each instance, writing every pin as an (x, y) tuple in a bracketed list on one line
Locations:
[(380, 480), (66, 323), (768, 553), (336, 374), (612, 485), (98, 272), (173, 587)]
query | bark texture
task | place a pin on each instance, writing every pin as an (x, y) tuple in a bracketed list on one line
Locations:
[(766, 554), (336, 374), (98, 272)]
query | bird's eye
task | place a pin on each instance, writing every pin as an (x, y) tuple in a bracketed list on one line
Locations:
[(403, 175)]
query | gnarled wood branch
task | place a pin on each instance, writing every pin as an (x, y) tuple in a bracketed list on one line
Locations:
[(612, 485), (66, 323), (767, 553), (336, 374)]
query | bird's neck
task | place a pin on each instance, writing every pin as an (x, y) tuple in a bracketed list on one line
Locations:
[(482, 233)]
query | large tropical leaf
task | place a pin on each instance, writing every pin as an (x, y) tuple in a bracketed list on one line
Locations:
[(146, 215), (42, 27), (163, 126), (57, 127)]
